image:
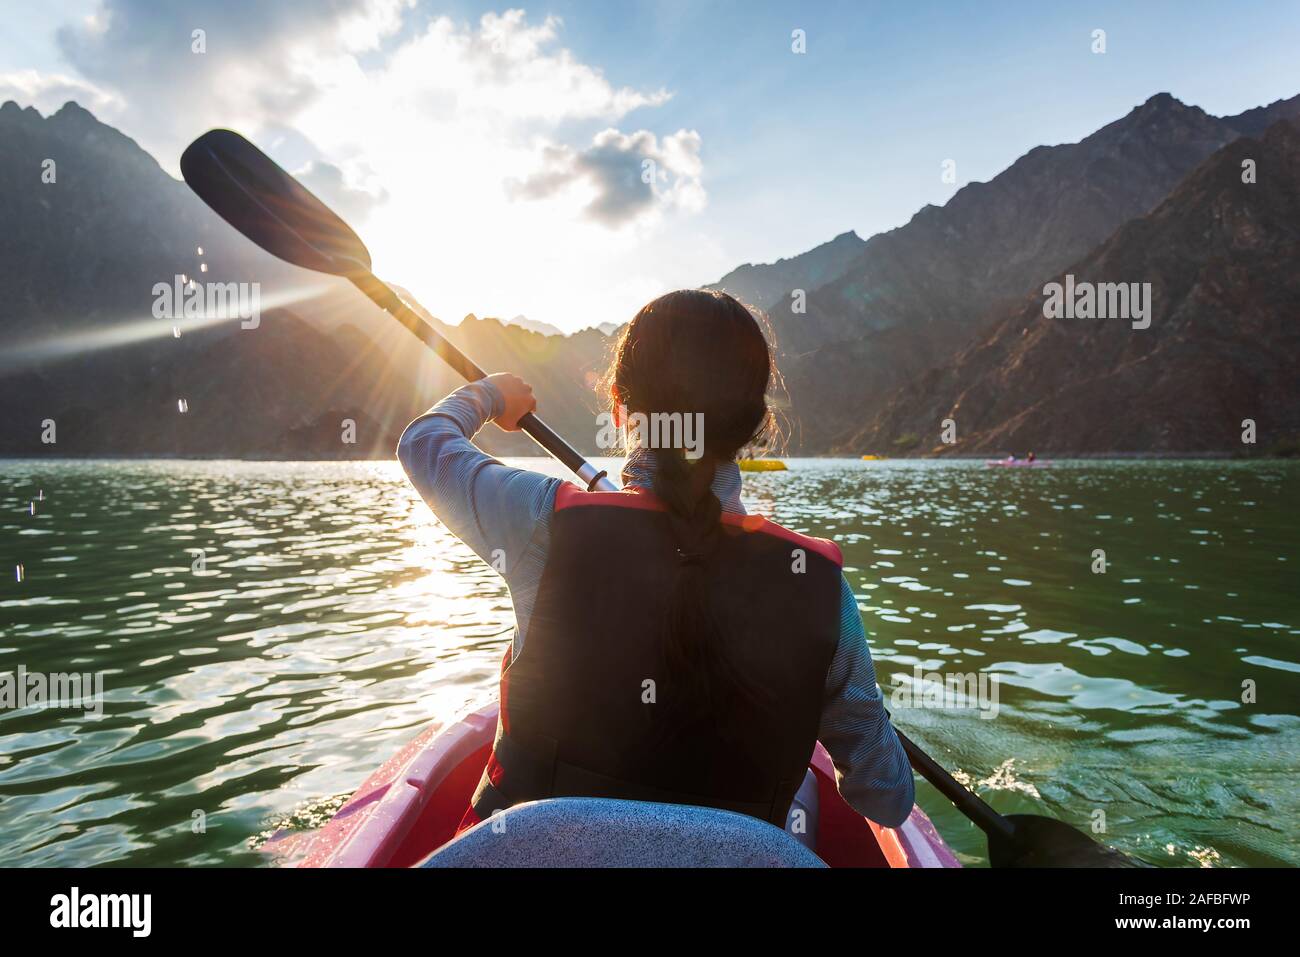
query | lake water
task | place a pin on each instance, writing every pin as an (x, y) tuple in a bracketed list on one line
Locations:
[(332, 618)]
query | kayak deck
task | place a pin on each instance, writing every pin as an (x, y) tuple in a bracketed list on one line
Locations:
[(412, 805)]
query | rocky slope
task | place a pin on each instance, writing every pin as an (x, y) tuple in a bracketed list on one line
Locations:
[(79, 344), (1223, 344), (768, 285), (917, 294)]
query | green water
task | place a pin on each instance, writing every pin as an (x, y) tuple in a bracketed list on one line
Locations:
[(334, 618)]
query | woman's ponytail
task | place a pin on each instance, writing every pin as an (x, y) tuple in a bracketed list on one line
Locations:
[(701, 354), (690, 633)]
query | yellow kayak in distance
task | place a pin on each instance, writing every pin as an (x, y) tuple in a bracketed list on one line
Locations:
[(875, 458), (761, 465)]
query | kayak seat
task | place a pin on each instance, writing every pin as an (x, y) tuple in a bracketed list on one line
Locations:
[(599, 832)]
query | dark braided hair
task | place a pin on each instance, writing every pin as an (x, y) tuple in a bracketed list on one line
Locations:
[(688, 352)]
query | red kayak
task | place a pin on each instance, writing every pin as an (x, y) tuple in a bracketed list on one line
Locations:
[(407, 812)]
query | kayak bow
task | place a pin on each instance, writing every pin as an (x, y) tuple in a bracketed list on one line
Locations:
[(412, 806)]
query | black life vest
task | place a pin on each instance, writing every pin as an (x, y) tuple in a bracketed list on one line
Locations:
[(576, 704)]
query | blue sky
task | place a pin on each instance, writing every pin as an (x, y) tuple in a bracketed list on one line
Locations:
[(487, 202)]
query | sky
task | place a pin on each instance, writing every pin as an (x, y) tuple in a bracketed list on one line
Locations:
[(568, 161)]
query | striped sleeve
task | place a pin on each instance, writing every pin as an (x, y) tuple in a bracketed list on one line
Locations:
[(871, 769)]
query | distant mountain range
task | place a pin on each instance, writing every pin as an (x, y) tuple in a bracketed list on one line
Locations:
[(534, 325), (879, 340)]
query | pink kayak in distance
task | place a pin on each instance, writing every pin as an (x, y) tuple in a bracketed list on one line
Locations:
[(1011, 462)]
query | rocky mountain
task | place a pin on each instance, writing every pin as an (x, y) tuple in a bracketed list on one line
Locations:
[(1254, 122), (915, 295), (767, 285), (80, 255), (1223, 344), (92, 223)]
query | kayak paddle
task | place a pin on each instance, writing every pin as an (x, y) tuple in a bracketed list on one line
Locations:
[(1017, 840), (248, 190)]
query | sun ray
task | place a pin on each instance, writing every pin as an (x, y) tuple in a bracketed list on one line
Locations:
[(134, 330)]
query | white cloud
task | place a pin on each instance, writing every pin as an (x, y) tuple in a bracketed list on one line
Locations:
[(508, 70), (452, 122), (258, 65), (625, 175), (452, 118), (49, 91)]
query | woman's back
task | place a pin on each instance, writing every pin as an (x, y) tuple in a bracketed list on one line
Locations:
[(590, 703), (668, 647)]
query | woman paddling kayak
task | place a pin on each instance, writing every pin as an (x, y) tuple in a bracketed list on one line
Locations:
[(668, 647)]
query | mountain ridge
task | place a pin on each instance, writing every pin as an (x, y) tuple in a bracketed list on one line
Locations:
[(883, 314), (918, 292), (1219, 350)]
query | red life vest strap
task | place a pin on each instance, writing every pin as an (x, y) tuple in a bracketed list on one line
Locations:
[(570, 496)]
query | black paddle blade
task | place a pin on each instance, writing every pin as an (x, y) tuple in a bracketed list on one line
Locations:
[(1046, 842), (248, 190)]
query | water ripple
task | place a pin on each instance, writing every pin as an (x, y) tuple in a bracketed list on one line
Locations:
[(269, 632)]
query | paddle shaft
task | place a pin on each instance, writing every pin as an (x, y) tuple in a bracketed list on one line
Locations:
[(383, 296), (986, 819)]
